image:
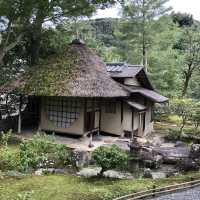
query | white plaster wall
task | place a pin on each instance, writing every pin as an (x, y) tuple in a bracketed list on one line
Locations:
[(77, 128), (111, 122)]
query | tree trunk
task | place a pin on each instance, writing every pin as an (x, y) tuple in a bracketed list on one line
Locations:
[(144, 48), (35, 35), (186, 83), (9, 47)]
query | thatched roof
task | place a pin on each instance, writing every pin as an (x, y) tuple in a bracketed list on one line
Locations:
[(78, 72)]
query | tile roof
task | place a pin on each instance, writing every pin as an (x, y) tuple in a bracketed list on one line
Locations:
[(151, 94), (123, 70)]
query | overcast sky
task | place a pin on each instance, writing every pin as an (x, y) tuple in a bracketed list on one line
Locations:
[(188, 6)]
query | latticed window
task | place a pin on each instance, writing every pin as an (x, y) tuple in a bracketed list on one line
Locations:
[(62, 111), (110, 107)]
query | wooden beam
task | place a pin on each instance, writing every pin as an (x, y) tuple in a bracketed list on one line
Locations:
[(19, 116)]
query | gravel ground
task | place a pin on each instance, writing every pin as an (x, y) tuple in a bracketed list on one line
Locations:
[(193, 194)]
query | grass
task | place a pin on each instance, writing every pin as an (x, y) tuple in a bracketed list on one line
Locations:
[(59, 187)]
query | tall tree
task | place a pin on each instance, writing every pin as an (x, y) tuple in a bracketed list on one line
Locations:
[(189, 48), (183, 19), (140, 14), (31, 15)]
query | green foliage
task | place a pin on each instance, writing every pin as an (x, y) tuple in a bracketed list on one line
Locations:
[(183, 19), (4, 137), (196, 115), (42, 152), (110, 157), (184, 109), (9, 160), (174, 134)]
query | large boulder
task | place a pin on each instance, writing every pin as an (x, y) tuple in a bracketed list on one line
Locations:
[(150, 158), (173, 155), (180, 144), (189, 165)]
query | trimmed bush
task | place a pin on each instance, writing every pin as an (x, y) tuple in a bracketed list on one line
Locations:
[(110, 158)]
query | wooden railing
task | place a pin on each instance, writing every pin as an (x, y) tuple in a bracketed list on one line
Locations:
[(155, 192)]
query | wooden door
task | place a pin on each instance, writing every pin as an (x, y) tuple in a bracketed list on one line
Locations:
[(90, 121)]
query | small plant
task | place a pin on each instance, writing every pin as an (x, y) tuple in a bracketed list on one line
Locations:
[(110, 158), (8, 159), (24, 195), (5, 137)]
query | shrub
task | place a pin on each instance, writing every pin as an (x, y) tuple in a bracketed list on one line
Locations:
[(8, 159), (174, 134), (42, 152), (5, 137), (110, 158), (192, 131)]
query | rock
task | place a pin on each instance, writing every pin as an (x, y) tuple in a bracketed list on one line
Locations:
[(42, 171), (14, 174), (172, 173), (82, 157), (189, 165), (173, 155), (39, 172), (117, 175), (150, 159), (89, 172), (147, 173), (180, 144), (195, 151), (157, 175), (59, 171)]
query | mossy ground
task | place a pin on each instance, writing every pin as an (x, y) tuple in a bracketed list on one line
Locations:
[(68, 187), (60, 187)]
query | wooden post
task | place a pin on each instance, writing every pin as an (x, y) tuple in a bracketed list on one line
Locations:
[(40, 113), (19, 116), (99, 131), (132, 125), (122, 119), (90, 143), (91, 128)]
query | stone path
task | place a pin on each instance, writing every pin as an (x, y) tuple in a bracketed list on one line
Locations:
[(192, 194)]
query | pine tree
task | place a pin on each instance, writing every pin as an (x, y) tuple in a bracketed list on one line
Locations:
[(140, 15)]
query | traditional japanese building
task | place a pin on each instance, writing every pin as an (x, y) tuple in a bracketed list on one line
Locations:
[(77, 93)]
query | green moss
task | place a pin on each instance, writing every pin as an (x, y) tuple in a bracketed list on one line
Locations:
[(57, 187), (50, 76)]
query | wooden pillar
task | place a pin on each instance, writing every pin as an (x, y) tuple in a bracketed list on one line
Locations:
[(84, 115), (140, 129), (122, 119), (100, 107), (19, 116), (132, 125), (40, 113), (91, 128)]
